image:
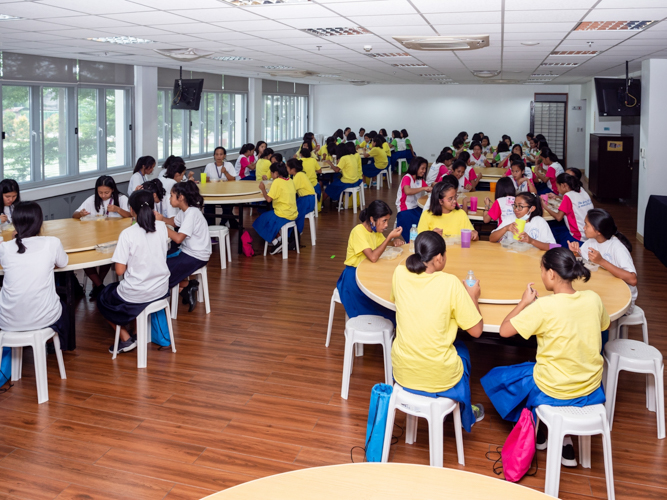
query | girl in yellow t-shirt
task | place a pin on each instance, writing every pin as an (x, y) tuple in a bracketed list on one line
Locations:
[(366, 242), (378, 158), (305, 194), (347, 167), (283, 197), (263, 165), (425, 357), (568, 326), (444, 215)]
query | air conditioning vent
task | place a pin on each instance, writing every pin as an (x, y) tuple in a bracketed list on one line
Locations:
[(359, 83), (297, 73), (443, 42)]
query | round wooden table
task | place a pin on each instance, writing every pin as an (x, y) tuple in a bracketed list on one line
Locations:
[(378, 481), (224, 189), (503, 277)]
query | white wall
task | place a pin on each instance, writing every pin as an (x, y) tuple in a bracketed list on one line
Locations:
[(435, 114), (653, 130)]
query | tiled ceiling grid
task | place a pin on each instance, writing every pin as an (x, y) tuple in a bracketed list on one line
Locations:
[(272, 35)]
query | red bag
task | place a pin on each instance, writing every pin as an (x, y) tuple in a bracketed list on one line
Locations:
[(246, 241), (519, 449)]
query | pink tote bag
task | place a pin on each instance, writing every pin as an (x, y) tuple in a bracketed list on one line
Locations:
[(519, 449)]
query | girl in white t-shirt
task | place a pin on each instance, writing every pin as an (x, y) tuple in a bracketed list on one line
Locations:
[(28, 299), (522, 184), (10, 198), (160, 201), (141, 258), (144, 167), (607, 247), (219, 169), (440, 168), (467, 176), (192, 236), (108, 202), (502, 209), (536, 232), (411, 188), (573, 209), (174, 172)]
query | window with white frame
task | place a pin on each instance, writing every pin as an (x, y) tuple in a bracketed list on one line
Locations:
[(56, 132), (284, 117), (219, 121)]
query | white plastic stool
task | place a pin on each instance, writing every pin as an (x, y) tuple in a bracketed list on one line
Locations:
[(637, 357), (311, 218), (335, 298), (584, 422), (284, 235), (386, 174), (202, 294), (637, 317), (434, 410), (37, 340), (399, 165), (144, 331), (222, 233), (353, 192), (366, 330)]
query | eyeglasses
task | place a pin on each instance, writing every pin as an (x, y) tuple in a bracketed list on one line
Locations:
[(520, 207)]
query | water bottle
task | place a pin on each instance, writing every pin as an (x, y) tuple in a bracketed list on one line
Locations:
[(413, 237), (470, 279)]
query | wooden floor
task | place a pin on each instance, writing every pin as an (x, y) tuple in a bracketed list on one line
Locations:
[(252, 391)]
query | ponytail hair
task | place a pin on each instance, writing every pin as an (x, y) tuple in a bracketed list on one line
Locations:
[(444, 156), (295, 164), (174, 165), (603, 223), (278, 157), (576, 172), (155, 187), (247, 147), (377, 209), (505, 187), (142, 203), (573, 183), (464, 156), (305, 152), (281, 168), (143, 162), (190, 192), (266, 153), (427, 245), (27, 222), (563, 262), (532, 201)]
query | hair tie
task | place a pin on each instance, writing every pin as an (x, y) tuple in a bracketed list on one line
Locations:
[(144, 204)]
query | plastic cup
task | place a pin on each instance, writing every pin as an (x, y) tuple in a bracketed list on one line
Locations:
[(466, 236), (203, 178), (492, 186), (545, 197), (473, 203), (521, 224)]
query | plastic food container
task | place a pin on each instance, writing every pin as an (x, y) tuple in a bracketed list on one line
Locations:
[(108, 247), (391, 253)]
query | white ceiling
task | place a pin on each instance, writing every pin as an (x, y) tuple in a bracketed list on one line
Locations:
[(270, 35)]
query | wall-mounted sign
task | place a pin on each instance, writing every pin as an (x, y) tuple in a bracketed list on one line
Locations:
[(614, 146)]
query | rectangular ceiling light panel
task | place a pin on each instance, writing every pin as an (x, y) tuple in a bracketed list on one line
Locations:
[(410, 65), (336, 31), (389, 54), (5, 17), (613, 25), (121, 40), (230, 58), (278, 67), (586, 53), (471, 42), (560, 64), (250, 3)]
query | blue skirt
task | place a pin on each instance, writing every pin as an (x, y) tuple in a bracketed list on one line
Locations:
[(542, 188), (250, 177), (336, 188), (512, 388), (370, 170), (181, 266), (460, 392), (561, 233), (115, 309), (398, 155), (318, 190), (406, 219), (356, 302), (305, 205), (268, 225)]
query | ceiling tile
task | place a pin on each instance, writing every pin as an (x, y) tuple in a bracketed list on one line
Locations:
[(361, 8), (528, 5), (86, 22), (627, 14), (96, 7), (540, 16), (438, 6), (218, 15), (382, 20)]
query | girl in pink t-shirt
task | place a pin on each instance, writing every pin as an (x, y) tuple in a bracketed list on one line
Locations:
[(522, 184), (554, 169), (245, 165), (467, 176), (411, 187), (573, 209), (502, 209)]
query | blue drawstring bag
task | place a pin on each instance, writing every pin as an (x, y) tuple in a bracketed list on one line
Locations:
[(160, 328), (6, 365), (377, 421)]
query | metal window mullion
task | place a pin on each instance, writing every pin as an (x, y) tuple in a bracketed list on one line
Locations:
[(2, 145), (101, 129), (35, 133), (129, 134), (72, 122)]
